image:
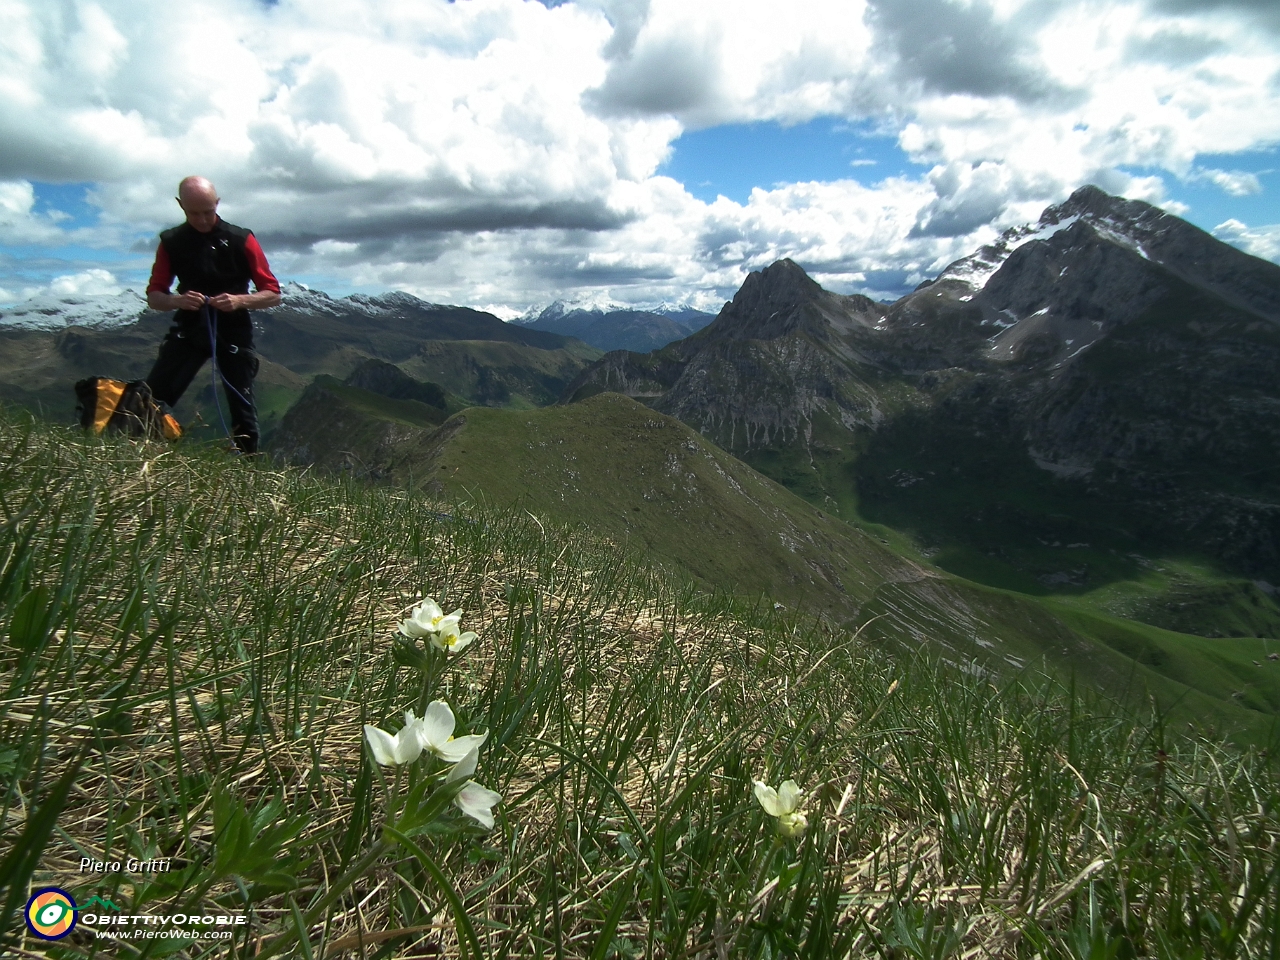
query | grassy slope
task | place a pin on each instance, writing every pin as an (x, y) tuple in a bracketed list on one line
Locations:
[(341, 428), (495, 373), (411, 412), (960, 500), (193, 627), (623, 471)]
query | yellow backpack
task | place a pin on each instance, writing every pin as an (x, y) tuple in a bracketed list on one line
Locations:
[(124, 407)]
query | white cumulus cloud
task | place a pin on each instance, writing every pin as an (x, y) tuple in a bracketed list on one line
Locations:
[(509, 152), (91, 283), (1261, 241), (94, 282), (1235, 182)]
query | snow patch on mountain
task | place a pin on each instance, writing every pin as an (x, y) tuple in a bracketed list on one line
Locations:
[(56, 311), (685, 311), (597, 303), (297, 296), (977, 268), (1115, 231), (49, 311), (385, 304)]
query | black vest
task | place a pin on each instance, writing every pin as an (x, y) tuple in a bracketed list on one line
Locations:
[(209, 263)]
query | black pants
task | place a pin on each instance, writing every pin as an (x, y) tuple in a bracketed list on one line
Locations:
[(184, 351)]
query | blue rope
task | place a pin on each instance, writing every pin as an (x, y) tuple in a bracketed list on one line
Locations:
[(211, 325)]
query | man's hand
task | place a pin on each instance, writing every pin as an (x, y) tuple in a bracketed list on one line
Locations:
[(258, 300), (227, 302), (159, 300)]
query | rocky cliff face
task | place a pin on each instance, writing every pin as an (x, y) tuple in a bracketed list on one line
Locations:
[(1111, 345), (755, 377)]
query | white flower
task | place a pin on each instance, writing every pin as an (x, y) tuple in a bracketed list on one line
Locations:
[(784, 804), (474, 800), (450, 640), (477, 803), (427, 619), (435, 733), (404, 747)]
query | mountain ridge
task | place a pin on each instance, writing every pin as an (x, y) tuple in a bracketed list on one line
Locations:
[(467, 351), (617, 328), (1084, 352)]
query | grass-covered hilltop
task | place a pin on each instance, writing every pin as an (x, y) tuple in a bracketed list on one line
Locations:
[(193, 647)]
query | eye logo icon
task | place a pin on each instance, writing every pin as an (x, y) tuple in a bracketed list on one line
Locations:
[(51, 913)]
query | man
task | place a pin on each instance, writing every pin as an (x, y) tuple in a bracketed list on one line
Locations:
[(214, 262)]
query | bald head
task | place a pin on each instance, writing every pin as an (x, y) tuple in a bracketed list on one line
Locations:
[(199, 201)]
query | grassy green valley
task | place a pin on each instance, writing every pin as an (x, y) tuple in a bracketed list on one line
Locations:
[(191, 645)]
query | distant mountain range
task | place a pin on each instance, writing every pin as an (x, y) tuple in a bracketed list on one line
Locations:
[(619, 328), (55, 340), (49, 344)]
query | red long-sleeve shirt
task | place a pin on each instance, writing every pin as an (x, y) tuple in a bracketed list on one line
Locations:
[(162, 273)]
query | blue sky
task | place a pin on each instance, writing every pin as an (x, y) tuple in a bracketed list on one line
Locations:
[(503, 154), (1210, 204), (734, 158)]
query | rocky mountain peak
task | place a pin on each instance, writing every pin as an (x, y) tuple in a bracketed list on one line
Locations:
[(780, 285), (782, 300), (1090, 201), (1093, 204), (776, 291), (1127, 222), (1180, 247), (554, 311), (1090, 215)]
